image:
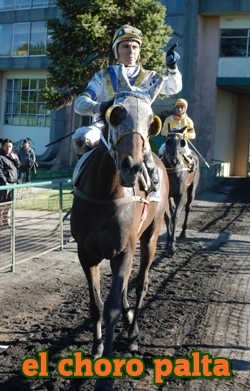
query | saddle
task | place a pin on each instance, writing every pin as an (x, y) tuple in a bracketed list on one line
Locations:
[(81, 165)]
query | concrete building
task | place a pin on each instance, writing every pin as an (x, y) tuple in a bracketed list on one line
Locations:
[(214, 44)]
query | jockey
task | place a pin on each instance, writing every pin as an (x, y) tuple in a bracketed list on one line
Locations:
[(177, 121), (99, 93)]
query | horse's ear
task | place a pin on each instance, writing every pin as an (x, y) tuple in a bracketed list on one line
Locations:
[(155, 127), (182, 130), (155, 88)]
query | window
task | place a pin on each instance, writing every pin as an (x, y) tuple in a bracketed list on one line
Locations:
[(23, 39), (235, 43), (23, 103), (174, 7), (25, 4)]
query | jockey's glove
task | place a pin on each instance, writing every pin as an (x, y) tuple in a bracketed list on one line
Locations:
[(104, 107), (172, 57)]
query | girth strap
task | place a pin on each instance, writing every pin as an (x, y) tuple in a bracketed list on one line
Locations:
[(117, 202)]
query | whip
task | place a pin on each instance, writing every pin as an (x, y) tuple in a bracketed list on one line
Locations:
[(198, 153)]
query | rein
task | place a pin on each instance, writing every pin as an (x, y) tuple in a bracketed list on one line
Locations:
[(116, 202), (176, 169)]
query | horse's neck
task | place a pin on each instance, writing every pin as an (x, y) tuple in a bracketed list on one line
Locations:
[(103, 179)]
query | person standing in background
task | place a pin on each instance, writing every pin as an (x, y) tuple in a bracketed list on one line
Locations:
[(27, 161), (9, 164)]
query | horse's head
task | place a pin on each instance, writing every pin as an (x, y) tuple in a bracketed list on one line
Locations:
[(131, 121), (174, 147)]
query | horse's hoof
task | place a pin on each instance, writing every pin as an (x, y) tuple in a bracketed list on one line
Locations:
[(97, 352), (128, 317), (133, 345), (103, 385), (182, 237), (170, 251)]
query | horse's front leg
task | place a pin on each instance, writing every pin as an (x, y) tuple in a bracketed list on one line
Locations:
[(96, 305), (171, 224), (121, 267), (179, 202), (127, 312), (169, 227), (190, 198), (147, 246)]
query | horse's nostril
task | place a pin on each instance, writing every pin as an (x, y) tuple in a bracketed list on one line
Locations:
[(137, 168), (127, 163)]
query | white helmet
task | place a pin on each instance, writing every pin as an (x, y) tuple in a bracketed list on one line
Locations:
[(124, 33)]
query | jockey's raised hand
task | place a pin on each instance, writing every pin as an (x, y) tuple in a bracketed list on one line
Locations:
[(172, 57)]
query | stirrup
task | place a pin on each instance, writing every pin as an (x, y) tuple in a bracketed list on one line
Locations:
[(155, 193)]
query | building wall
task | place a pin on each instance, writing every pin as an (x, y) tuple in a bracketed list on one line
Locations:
[(234, 66), (39, 135), (222, 133), (201, 43), (242, 140), (215, 7), (226, 118), (28, 15)]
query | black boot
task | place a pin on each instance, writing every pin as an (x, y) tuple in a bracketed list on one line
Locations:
[(154, 176), (153, 173), (192, 164)]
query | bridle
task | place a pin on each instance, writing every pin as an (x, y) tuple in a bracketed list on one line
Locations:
[(178, 162)]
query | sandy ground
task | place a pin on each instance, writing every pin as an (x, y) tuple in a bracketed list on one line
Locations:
[(198, 300)]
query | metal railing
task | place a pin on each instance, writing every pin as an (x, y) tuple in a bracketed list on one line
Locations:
[(209, 176), (37, 221)]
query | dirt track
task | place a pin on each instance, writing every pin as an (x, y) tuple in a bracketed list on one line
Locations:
[(197, 300)]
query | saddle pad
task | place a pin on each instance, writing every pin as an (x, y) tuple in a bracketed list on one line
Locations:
[(81, 165)]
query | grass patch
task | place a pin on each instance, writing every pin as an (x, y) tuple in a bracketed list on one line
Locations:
[(46, 200)]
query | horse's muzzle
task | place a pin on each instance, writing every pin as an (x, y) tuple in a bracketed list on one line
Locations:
[(129, 171), (175, 162)]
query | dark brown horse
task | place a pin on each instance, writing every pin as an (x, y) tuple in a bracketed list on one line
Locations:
[(111, 212), (182, 183)]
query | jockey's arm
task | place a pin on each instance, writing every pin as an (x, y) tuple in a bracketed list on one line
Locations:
[(164, 130), (190, 132), (172, 83), (88, 103)]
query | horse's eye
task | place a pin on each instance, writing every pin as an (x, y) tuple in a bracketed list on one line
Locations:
[(169, 142), (183, 143)]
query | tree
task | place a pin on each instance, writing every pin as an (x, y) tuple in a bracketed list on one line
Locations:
[(81, 42)]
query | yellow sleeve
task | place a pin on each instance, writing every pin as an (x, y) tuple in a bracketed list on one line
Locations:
[(164, 130), (190, 132)]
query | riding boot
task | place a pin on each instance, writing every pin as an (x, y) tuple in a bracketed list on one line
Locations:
[(152, 170), (191, 162)]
